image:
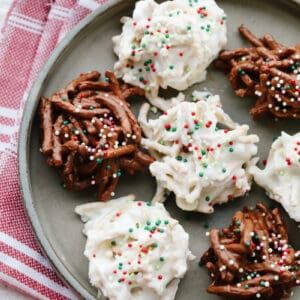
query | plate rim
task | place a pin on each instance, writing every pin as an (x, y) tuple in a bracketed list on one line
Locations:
[(24, 139), (24, 150)]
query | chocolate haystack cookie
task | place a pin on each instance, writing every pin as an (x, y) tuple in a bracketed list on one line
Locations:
[(252, 258), (268, 71), (90, 134)]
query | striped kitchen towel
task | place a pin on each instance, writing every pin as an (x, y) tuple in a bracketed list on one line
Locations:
[(31, 31)]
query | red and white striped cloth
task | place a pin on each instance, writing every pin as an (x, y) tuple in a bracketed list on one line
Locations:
[(30, 33)]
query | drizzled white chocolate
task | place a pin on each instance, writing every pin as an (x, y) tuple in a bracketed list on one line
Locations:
[(281, 176), (136, 250), (201, 154), (169, 44)]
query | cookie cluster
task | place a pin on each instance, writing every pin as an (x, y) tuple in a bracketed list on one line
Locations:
[(90, 134), (252, 258), (267, 71)]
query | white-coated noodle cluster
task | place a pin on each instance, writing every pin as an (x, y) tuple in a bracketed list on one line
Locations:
[(201, 154)]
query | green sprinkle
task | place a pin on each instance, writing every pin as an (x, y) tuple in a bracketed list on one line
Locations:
[(113, 243), (99, 161), (206, 225), (158, 222), (166, 222), (207, 198), (231, 150), (241, 72), (154, 109), (224, 170), (205, 165), (130, 230), (171, 67), (179, 158), (201, 174), (203, 151), (148, 223), (161, 259), (66, 122)]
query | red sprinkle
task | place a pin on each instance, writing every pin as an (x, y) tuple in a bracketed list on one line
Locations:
[(145, 250), (159, 277)]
